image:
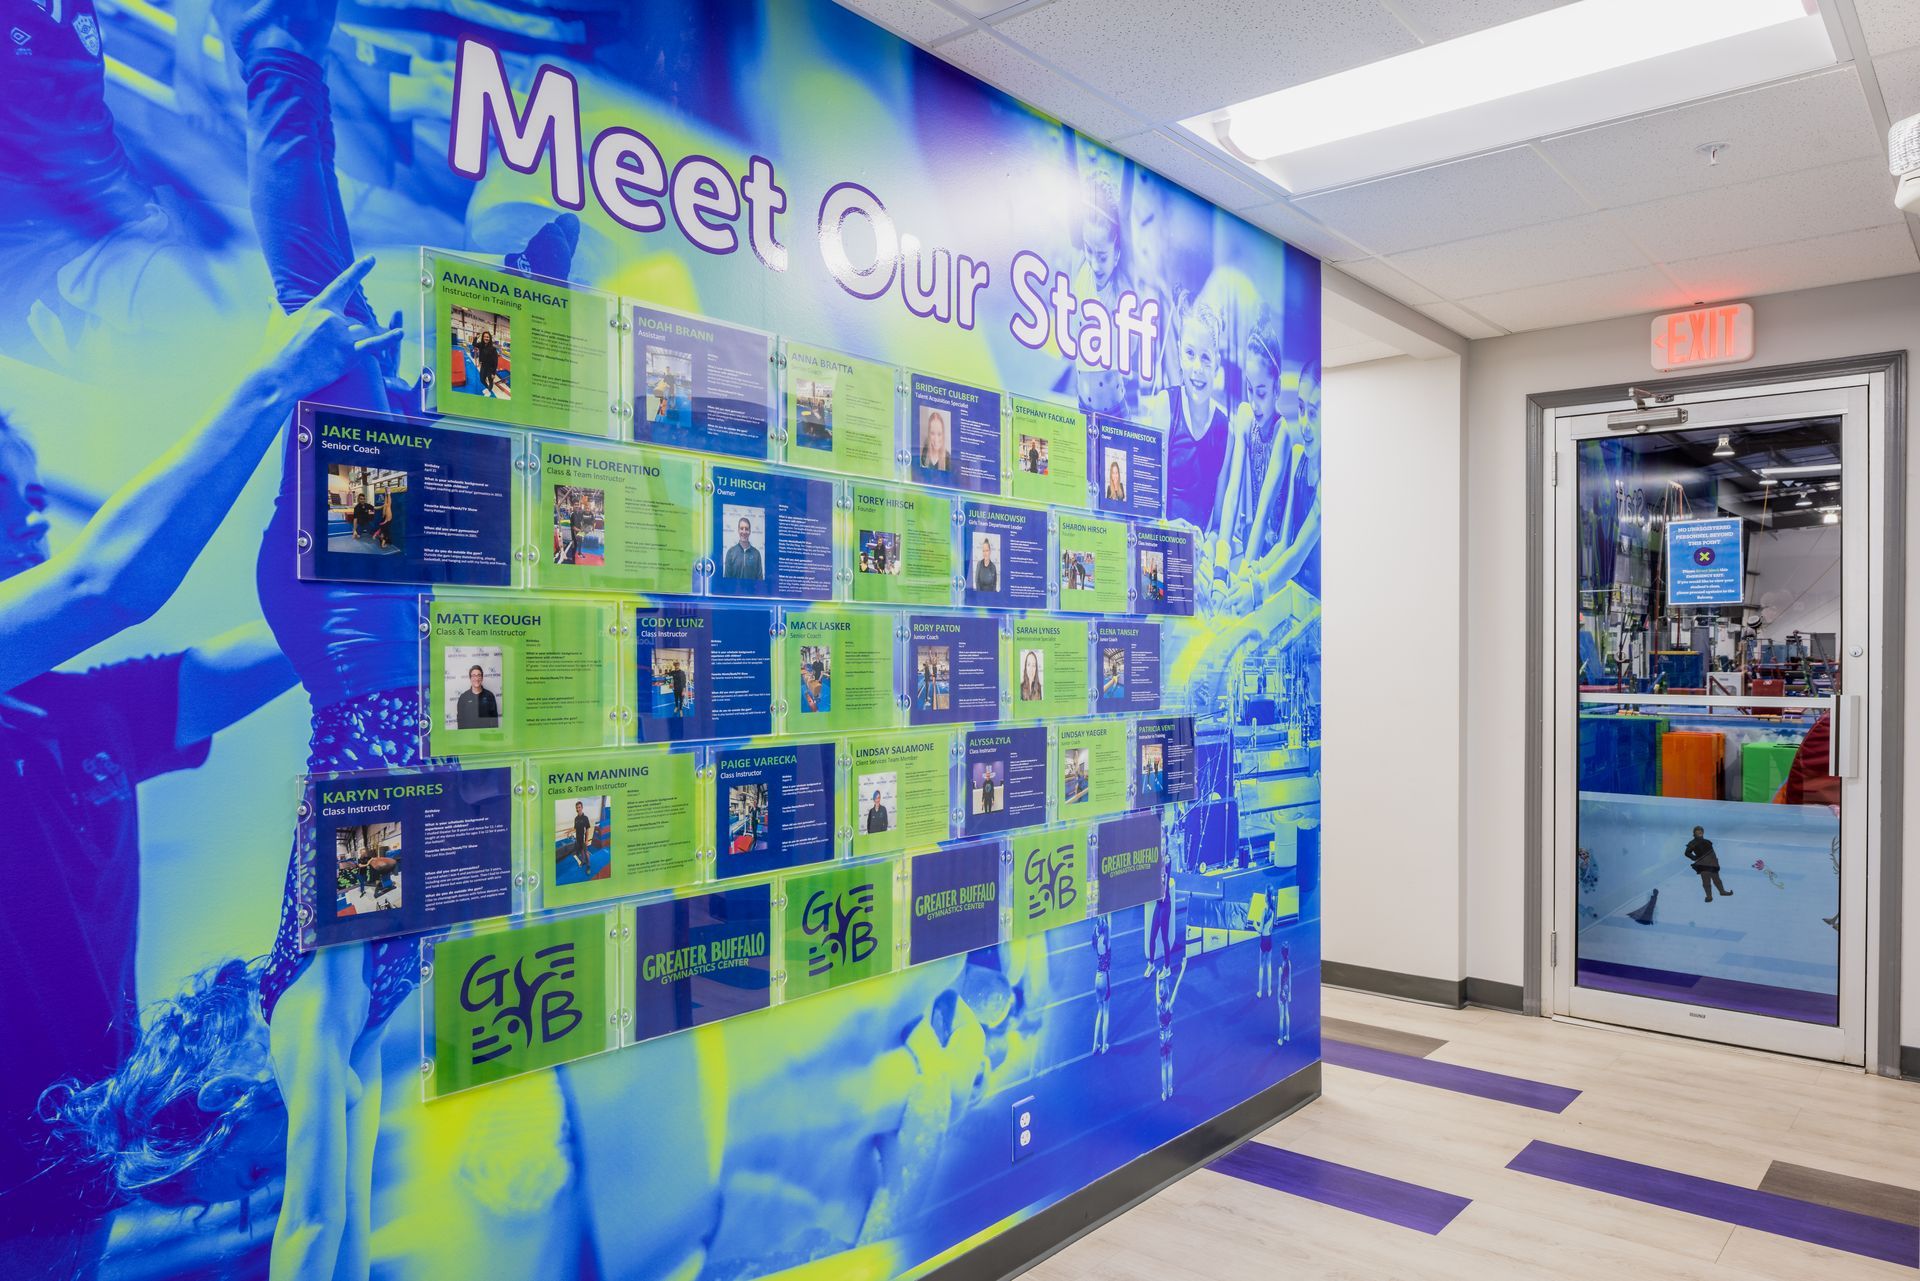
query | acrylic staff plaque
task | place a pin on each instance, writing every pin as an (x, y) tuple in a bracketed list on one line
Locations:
[(901, 791), (953, 435), (519, 349), (518, 674), (613, 519), (698, 960), (613, 824), (775, 807), (1049, 879), (840, 413), (506, 1001), (700, 384), (385, 499), (393, 853), (953, 903), (772, 535), (837, 927)]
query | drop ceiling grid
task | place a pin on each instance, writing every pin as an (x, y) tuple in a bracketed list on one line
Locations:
[(1622, 212)]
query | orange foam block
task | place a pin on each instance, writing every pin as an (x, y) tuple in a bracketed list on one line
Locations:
[(1692, 764)]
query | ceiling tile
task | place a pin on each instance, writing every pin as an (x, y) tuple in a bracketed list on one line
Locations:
[(1495, 192), (1371, 271), (1796, 206), (1460, 320), (1802, 264), (1899, 75), (999, 64), (1889, 24), (1294, 227), (1171, 61), (1189, 166), (1445, 19), (919, 21), (1585, 246), (1793, 125), (1575, 302)]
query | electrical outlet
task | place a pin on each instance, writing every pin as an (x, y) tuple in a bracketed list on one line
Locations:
[(1023, 1131)]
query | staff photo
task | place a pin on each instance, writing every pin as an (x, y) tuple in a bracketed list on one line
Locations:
[(745, 559), (367, 869), (480, 347), (472, 686)]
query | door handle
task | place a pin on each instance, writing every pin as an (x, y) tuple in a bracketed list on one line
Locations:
[(1843, 737)]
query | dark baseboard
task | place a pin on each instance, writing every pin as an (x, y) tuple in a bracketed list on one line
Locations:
[(1451, 993), (1910, 1062), (1026, 1243), (1496, 996)]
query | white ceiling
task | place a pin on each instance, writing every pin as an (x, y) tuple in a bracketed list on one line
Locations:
[(1623, 218)]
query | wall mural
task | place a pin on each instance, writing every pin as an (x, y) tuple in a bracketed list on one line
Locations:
[(214, 213)]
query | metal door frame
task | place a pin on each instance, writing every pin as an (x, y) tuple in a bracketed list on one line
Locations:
[(1883, 378)]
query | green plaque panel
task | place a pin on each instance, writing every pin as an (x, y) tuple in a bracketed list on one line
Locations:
[(1047, 668), (1047, 450), (837, 671), (1049, 879), (902, 546), (508, 1001), (609, 519), (840, 413), (837, 927), (1090, 768), (512, 349), (1093, 568), (901, 791), (545, 673), (614, 824)]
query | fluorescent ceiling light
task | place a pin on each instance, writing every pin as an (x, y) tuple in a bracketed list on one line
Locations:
[(1811, 469), (1564, 69)]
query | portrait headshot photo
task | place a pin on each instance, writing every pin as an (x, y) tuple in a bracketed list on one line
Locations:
[(878, 796), (747, 818), (816, 679), (935, 443), (813, 411), (579, 526), (746, 532), (983, 571), (363, 509), (1033, 454), (1075, 785), (582, 839), (480, 350), (1033, 673), (1113, 487), (672, 682), (472, 687), (367, 861), (668, 403), (987, 788)]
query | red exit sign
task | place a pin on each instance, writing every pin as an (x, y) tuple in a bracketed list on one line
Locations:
[(1704, 336)]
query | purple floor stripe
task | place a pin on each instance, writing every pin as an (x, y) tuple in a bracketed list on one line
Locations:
[(1720, 994), (1449, 1076), (1343, 1187), (1726, 1202)]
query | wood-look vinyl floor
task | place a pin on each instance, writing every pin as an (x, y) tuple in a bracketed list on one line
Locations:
[(1731, 1115)]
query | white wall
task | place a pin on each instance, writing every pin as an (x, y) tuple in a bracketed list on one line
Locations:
[(1844, 320), (1391, 660)]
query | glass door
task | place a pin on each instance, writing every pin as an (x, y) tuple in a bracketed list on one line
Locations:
[(1710, 620)]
